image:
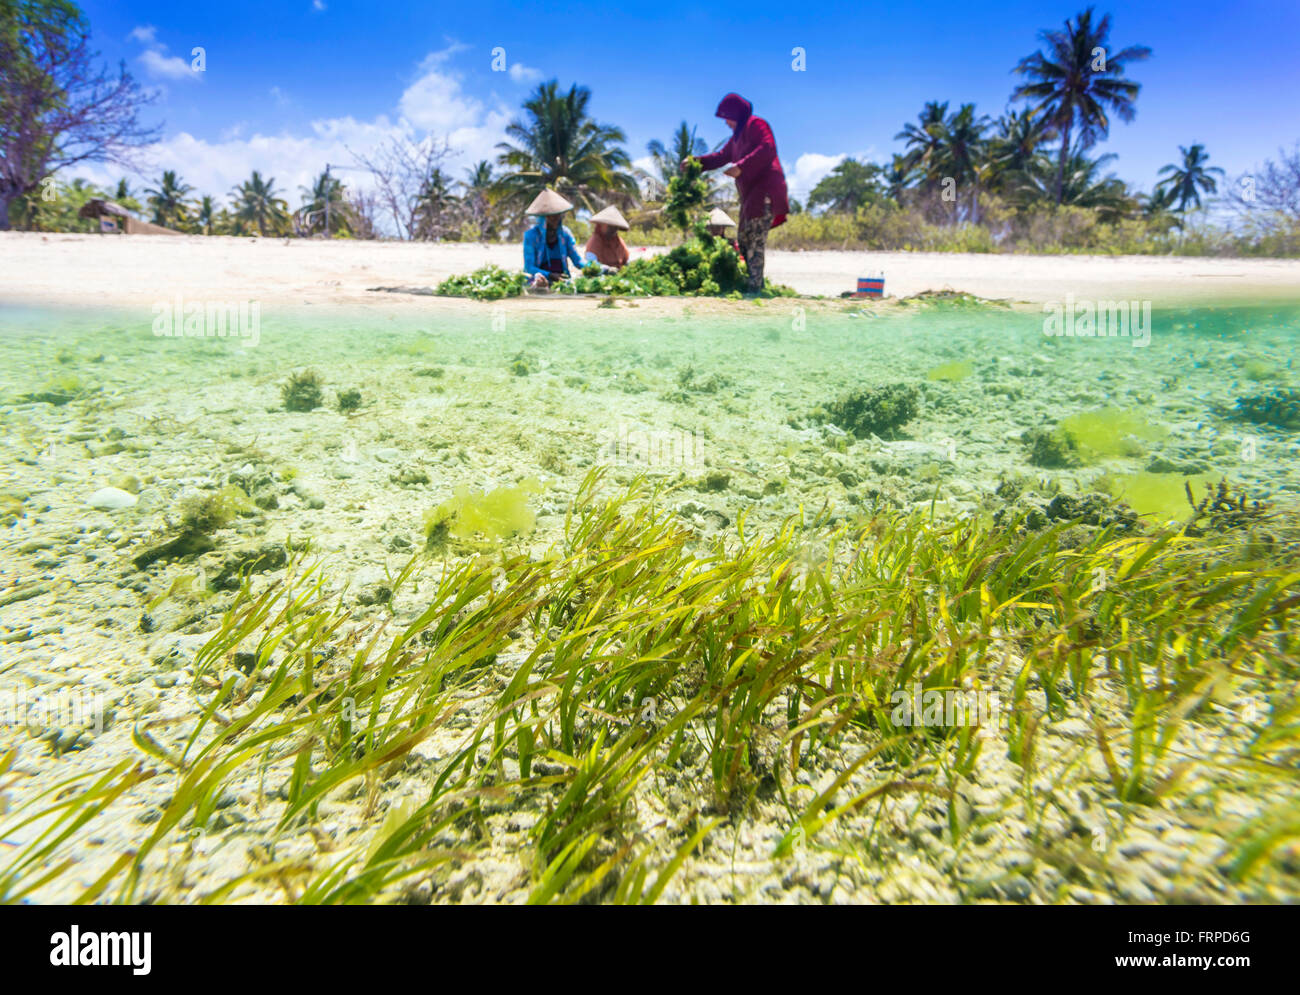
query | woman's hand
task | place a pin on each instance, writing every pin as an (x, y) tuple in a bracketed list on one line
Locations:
[(733, 171), (540, 281)]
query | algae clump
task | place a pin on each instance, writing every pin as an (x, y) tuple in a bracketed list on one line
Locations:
[(303, 391), (1110, 432), (495, 514), (951, 372), (206, 513), (1280, 407), (878, 411), (349, 400), (1155, 495), (1052, 448)]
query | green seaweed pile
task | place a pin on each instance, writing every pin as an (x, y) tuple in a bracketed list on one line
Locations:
[(879, 411), (704, 266), (490, 283)]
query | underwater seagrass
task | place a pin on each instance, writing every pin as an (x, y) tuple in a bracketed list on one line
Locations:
[(629, 657)]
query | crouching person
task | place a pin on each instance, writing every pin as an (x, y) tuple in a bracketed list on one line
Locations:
[(549, 246), (606, 246)]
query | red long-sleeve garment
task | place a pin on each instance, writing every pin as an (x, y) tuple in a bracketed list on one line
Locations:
[(753, 149)]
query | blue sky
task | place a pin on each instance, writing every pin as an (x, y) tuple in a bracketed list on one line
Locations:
[(291, 84)]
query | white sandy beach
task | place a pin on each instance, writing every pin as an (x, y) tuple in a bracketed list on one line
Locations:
[(120, 270)]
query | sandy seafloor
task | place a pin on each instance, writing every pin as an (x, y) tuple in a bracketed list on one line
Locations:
[(487, 394)]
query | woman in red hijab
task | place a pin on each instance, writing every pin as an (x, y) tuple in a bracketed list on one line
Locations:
[(760, 181)]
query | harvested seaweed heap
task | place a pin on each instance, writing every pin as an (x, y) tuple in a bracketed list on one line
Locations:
[(705, 266), (490, 283)]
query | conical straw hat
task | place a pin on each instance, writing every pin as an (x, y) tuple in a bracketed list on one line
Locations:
[(548, 202), (719, 217), (611, 216)]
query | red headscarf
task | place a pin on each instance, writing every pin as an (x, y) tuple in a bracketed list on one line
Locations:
[(734, 107)]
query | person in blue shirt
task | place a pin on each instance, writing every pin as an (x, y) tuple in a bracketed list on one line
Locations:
[(549, 246)]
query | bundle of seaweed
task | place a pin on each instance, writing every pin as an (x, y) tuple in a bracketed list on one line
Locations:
[(490, 283)]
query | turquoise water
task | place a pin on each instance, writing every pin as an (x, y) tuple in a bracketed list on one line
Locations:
[(111, 431), (512, 394)]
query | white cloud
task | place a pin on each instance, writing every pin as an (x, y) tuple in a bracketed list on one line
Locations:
[(521, 73), (162, 66), (155, 62), (809, 169), (281, 98), (435, 102), (317, 5)]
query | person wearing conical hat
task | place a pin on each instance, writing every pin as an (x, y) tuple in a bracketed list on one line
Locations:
[(549, 247), (606, 245), (719, 222)]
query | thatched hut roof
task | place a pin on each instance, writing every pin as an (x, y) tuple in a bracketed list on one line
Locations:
[(96, 208)]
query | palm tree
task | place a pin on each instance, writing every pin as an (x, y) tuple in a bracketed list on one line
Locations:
[(434, 214), (898, 177), (325, 189), (959, 151), (1076, 81), (667, 159), (1015, 145), (921, 141), (256, 203), (558, 145), (1083, 185), (168, 200), (1186, 182), (123, 195), (207, 216)]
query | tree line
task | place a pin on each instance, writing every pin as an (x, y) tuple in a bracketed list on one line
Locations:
[(957, 167)]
